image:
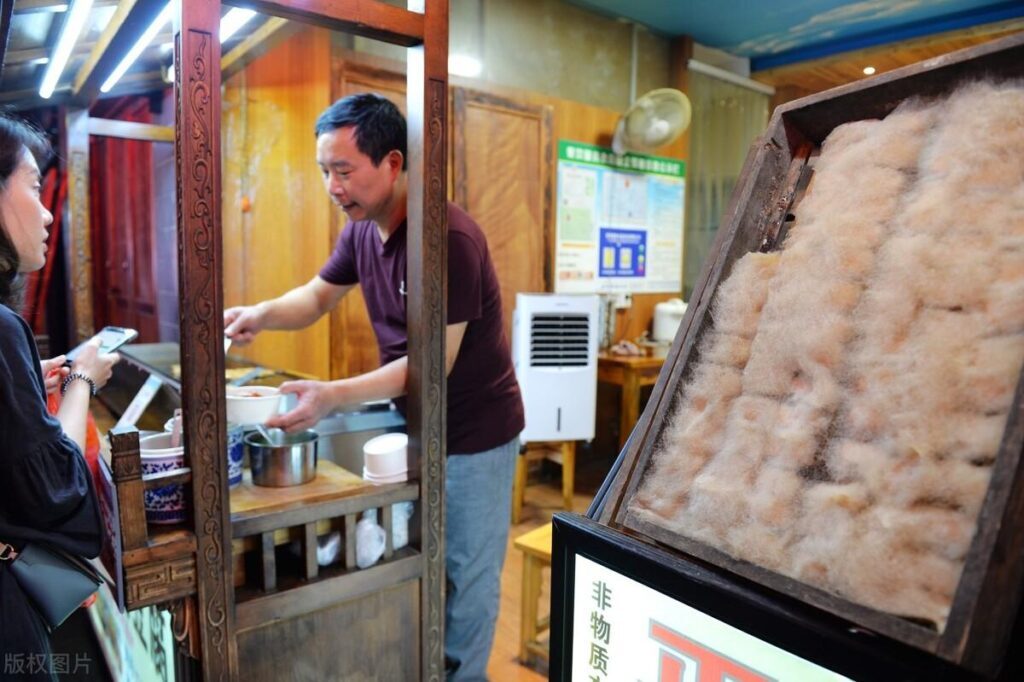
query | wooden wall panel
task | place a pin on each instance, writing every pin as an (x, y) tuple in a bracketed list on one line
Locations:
[(502, 171), (353, 640), (276, 214), (354, 345)]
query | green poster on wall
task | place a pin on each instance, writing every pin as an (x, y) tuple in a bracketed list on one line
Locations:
[(619, 221)]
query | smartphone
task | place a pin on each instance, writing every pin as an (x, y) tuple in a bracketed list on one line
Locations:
[(111, 338)]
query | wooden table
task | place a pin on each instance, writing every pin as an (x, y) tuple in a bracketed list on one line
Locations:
[(536, 548), (631, 373)]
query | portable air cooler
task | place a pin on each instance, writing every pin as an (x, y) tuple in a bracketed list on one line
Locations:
[(554, 349)]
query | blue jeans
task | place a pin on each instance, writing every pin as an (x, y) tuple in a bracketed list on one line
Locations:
[(478, 504)]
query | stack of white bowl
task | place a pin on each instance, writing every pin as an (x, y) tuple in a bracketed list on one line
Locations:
[(384, 459)]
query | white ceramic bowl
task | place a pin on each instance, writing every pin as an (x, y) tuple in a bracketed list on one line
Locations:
[(252, 404), (166, 504), (384, 456)]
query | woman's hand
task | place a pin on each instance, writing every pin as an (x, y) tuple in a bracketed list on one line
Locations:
[(95, 365), (54, 372)]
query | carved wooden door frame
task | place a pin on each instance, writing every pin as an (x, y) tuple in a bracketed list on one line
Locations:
[(423, 29)]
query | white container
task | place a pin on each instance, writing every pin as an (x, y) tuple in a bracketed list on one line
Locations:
[(554, 352), (252, 404), (166, 504), (385, 456), (667, 317), (399, 477)]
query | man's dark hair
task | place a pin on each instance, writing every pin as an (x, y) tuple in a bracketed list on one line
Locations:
[(379, 125)]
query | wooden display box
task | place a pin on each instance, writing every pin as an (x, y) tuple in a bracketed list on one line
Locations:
[(986, 602)]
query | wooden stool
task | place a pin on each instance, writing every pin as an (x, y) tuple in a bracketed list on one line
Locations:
[(536, 548), (566, 457)]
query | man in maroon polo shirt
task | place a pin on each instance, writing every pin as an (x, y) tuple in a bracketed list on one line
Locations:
[(361, 151)]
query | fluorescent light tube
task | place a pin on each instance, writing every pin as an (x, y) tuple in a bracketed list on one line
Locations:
[(235, 19), (73, 25), (162, 20)]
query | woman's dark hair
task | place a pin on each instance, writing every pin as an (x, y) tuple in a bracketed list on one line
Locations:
[(379, 125), (15, 137)]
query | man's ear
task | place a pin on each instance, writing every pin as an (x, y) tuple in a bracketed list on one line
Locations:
[(395, 161)]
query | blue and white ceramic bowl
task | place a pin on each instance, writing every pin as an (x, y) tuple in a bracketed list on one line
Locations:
[(236, 453), (166, 504)]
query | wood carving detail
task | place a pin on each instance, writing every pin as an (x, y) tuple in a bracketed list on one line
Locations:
[(185, 626), (198, 205), (150, 584), (81, 269), (435, 228), (127, 467)]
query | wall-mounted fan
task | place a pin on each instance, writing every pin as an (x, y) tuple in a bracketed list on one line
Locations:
[(654, 120)]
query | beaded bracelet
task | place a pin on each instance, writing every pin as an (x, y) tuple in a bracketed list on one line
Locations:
[(78, 375)]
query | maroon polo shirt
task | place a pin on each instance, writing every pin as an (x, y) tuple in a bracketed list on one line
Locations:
[(485, 408)]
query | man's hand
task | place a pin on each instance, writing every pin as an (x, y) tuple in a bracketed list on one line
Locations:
[(316, 399), (243, 323), (54, 373)]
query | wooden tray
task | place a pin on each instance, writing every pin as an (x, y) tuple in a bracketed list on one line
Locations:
[(989, 593)]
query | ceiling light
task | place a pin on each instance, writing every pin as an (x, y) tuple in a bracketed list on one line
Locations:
[(464, 65), (234, 20), (869, 70), (73, 25), (166, 47), (162, 20), (41, 60)]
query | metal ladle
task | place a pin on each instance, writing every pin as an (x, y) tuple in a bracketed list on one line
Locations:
[(271, 440)]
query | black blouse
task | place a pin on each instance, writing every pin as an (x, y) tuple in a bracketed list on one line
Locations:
[(46, 491)]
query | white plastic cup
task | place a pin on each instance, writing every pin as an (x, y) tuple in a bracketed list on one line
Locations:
[(384, 457)]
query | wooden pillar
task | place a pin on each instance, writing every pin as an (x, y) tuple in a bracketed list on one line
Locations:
[(680, 52), (79, 251), (197, 154), (427, 271)]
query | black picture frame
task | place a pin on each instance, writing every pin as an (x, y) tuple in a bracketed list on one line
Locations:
[(785, 622)]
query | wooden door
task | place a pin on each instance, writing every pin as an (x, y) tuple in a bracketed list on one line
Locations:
[(124, 233), (502, 177), (353, 342)]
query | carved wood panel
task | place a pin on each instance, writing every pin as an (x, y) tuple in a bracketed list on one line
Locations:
[(157, 583), (80, 251), (197, 147)]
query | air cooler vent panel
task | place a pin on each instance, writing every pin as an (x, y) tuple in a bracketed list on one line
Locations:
[(554, 351), (559, 340)]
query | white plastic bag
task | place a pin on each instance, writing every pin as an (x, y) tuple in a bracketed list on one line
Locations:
[(370, 539), (401, 512)]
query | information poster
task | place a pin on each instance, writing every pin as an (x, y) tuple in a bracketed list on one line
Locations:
[(619, 221), (623, 630)]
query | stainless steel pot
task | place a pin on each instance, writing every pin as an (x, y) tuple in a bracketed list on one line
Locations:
[(290, 460)]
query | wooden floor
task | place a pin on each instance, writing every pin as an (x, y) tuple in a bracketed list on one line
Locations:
[(542, 500)]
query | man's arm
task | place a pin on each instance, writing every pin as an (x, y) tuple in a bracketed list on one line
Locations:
[(318, 398), (297, 309)]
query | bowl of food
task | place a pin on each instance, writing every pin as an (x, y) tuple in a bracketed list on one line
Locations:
[(252, 404)]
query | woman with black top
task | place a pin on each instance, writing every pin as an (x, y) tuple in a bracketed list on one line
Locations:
[(46, 492)]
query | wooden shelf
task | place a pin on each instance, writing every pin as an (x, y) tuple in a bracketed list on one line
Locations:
[(334, 492)]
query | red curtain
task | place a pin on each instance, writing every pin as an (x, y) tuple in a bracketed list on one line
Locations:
[(122, 223)]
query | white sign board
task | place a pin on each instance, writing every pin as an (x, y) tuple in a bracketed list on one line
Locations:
[(626, 631)]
